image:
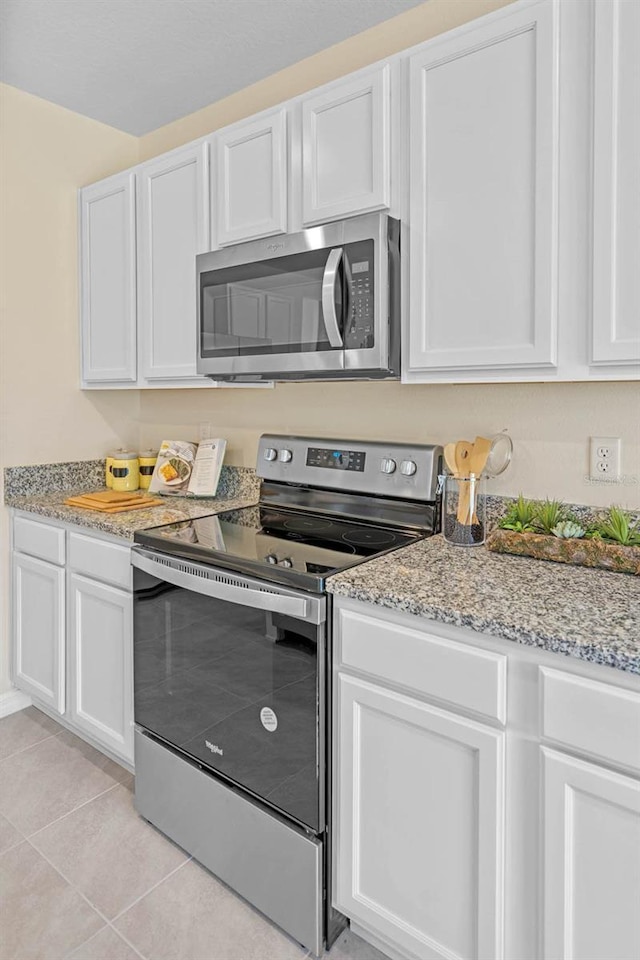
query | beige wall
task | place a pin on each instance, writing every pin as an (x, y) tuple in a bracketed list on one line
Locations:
[(47, 152), (549, 424)]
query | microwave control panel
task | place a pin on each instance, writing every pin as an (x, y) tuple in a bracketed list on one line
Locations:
[(359, 322)]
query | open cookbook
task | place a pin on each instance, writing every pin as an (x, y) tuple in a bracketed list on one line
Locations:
[(188, 469)]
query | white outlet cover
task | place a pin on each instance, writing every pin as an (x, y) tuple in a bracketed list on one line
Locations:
[(604, 458)]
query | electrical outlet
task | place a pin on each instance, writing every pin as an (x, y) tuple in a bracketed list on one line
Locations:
[(604, 458), (204, 430)]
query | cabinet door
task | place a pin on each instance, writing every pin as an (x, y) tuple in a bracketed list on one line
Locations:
[(39, 629), (419, 824), (251, 176), (346, 148), (483, 194), (101, 658), (592, 861), (108, 268), (173, 228), (616, 181)]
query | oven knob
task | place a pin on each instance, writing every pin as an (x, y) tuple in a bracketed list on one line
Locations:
[(285, 456), (388, 465), (270, 453), (286, 562), (408, 468), (271, 558)]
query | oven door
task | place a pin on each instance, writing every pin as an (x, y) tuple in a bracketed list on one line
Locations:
[(231, 672), (313, 303)]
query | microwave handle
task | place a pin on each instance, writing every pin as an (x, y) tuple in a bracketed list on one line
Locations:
[(329, 279)]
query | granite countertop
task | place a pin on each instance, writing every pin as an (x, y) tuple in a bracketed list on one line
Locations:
[(590, 614), (124, 525), (42, 489)]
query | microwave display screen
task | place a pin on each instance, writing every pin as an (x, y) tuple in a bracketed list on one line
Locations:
[(336, 459), (362, 267)]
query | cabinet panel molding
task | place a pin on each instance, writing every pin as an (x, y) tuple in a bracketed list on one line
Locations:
[(251, 177), (173, 226), (616, 184), (101, 663), (420, 823), (484, 166), (591, 861), (108, 272), (433, 666), (39, 629), (346, 147)]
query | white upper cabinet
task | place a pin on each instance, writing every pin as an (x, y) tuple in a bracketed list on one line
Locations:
[(483, 194), (173, 226), (108, 265), (616, 184), (251, 179), (346, 149)]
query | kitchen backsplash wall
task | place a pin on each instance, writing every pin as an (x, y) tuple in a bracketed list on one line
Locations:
[(549, 423)]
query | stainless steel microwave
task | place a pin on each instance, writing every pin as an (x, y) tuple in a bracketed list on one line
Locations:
[(321, 304)]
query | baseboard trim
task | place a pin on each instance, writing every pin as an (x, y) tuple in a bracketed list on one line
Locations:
[(12, 701)]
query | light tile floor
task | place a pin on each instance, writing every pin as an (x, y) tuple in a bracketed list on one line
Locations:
[(83, 877)]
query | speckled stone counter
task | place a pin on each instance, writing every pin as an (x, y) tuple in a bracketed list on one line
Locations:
[(590, 614), (124, 525), (43, 489)]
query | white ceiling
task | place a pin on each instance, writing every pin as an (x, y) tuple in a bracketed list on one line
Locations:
[(138, 64)]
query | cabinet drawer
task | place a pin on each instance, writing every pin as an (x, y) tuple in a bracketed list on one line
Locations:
[(597, 718), (103, 561), (433, 666), (38, 540)]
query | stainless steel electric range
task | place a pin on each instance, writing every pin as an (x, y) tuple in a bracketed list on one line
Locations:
[(232, 653)]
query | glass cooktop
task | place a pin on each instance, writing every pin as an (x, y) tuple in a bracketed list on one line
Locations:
[(290, 547)]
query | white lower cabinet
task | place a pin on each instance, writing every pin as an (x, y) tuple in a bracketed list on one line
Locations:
[(101, 663), (420, 814), (464, 826), (39, 629), (73, 630), (591, 861)]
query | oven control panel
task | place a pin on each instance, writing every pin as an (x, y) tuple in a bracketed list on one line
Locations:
[(389, 469)]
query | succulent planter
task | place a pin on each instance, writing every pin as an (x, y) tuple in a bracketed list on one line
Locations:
[(582, 553)]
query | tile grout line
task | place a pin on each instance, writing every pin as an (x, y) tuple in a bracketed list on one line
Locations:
[(97, 910), (16, 753), (63, 816), (150, 890)]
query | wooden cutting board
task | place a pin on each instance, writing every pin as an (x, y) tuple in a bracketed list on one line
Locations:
[(109, 505), (110, 497)]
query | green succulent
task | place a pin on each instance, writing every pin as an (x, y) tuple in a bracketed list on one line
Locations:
[(568, 530), (520, 516), (617, 527), (550, 513)]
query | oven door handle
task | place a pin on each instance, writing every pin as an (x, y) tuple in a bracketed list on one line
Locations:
[(329, 280), (247, 596)]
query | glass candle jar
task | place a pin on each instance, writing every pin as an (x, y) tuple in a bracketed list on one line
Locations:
[(464, 510)]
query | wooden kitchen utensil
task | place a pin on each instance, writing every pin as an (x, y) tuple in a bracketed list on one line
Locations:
[(463, 450), (477, 461), (479, 454), (450, 458)]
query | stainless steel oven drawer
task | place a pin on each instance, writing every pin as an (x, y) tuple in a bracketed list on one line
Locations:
[(282, 877)]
